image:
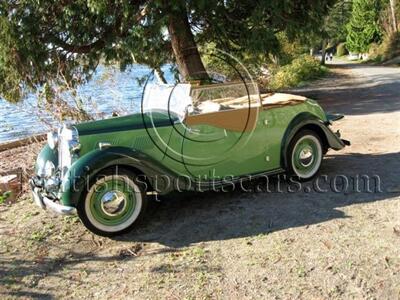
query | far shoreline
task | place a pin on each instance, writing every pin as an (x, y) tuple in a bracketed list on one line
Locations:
[(22, 142)]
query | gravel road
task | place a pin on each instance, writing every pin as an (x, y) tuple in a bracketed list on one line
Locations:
[(342, 242)]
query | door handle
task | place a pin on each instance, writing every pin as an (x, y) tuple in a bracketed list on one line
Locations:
[(193, 130)]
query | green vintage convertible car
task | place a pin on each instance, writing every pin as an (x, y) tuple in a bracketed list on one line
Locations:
[(185, 138)]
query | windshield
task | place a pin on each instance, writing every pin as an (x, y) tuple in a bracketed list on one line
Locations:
[(169, 98), (182, 99), (219, 97)]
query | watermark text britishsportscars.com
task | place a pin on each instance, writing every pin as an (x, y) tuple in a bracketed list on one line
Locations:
[(272, 184), (338, 183)]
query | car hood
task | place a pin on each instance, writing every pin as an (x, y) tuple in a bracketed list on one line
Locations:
[(129, 122)]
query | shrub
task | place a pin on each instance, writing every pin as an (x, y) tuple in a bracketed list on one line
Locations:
[(391, 46), (341, 50), (375, 52), (301, 69), (4, 196), (289, 49)]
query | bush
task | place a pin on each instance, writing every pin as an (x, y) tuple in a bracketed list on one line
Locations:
[(391, 46), (289, 49), (375, 52), (4, 196), (301, 69), (341, 50)]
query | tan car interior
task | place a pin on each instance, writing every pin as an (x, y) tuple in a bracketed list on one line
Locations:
[(235, 113)]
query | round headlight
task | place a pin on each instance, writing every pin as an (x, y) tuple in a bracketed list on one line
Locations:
[(49, 169), (52, 139), (40, 171), (74, 146)]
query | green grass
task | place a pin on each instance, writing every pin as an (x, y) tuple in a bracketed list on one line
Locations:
[(4, 197), (42, 233)]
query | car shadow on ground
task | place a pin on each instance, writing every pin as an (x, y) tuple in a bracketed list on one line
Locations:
[(16, 271), (199, 217)]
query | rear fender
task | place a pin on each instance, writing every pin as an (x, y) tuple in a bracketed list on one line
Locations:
[(309, 121)]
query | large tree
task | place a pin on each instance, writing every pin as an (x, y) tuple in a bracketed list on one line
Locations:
[(44, 41), (336, 21), (333, 29), (363, 28)]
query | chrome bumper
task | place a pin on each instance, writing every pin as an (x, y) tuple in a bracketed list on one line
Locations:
[(45, 202)]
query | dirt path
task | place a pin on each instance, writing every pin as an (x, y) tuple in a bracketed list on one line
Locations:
[(308, 244)]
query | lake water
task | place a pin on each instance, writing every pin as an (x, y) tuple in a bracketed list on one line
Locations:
[(109, 91)]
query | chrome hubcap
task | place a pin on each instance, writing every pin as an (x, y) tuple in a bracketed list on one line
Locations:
[(306, 157), (113, 203)]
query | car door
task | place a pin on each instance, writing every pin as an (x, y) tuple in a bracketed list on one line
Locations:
[(216, 145), (222, 136)]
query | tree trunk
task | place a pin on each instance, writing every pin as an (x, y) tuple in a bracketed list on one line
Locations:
[(324, 43), (394, 17), (184, 47)]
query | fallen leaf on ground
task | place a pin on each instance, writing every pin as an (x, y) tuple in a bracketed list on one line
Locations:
[(396, 230)]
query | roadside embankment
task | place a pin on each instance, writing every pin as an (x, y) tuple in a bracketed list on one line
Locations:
[(20, 155), (22, 142)]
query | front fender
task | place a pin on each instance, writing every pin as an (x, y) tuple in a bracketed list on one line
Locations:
[(77, 180), (308, 120), (46, 154)]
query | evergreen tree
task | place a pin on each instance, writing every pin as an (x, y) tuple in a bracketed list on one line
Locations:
[(363, 28), (332, 30), (336, 21), (43, 40)]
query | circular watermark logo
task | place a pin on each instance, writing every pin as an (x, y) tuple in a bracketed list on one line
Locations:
[(203, 125)]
